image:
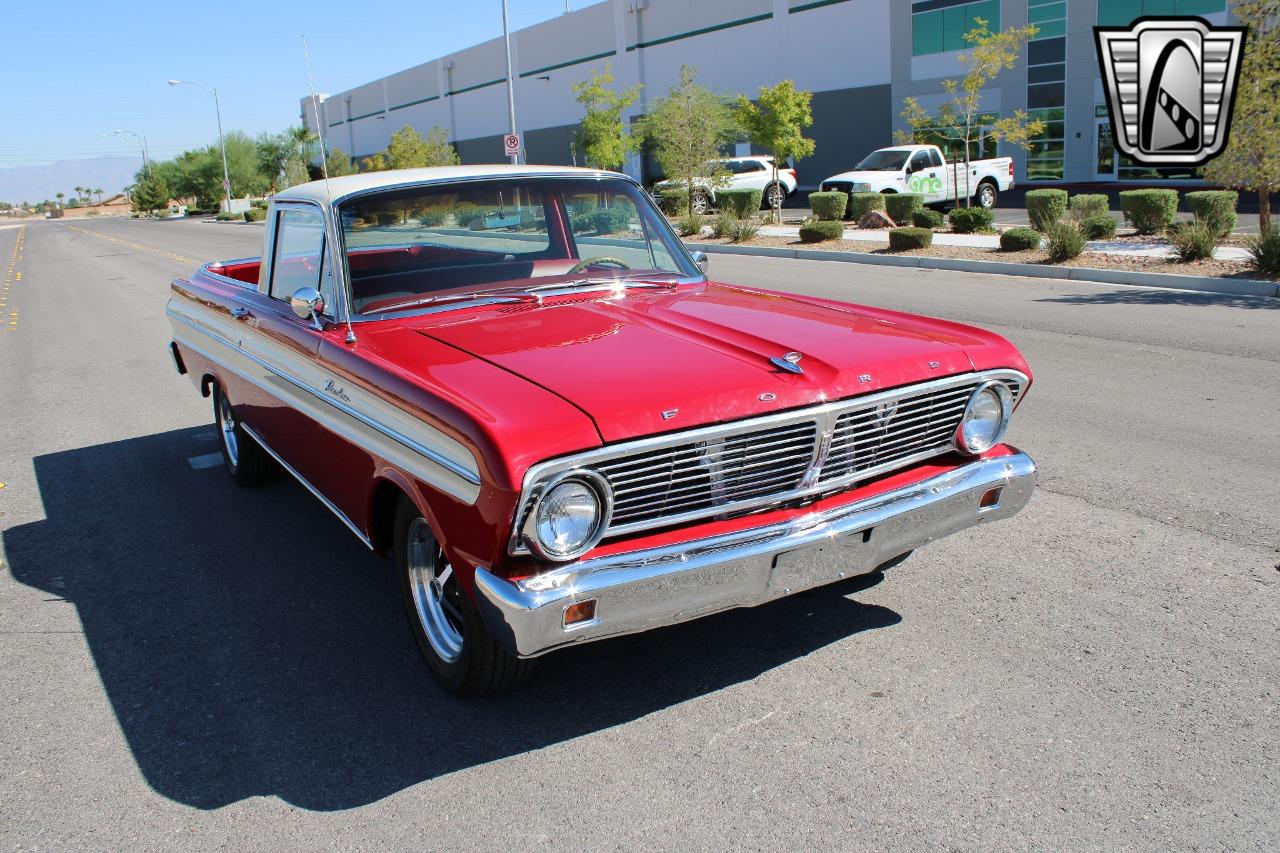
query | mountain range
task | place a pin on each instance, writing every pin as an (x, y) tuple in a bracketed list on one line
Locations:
[(36, 183)]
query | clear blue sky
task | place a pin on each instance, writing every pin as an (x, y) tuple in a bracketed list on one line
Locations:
[(73, 70)]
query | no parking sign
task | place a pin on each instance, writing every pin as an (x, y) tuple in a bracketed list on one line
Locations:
[(512, 144)]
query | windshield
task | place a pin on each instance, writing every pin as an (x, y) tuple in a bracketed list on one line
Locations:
[(890, 160), (410, 246)]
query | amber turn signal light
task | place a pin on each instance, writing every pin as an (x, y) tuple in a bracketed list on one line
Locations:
[(579, 612)]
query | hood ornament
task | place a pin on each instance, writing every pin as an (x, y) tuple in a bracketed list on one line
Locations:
[(789, 362)]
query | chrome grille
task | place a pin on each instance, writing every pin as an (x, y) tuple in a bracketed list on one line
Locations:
[(763, 462), (711, 473)]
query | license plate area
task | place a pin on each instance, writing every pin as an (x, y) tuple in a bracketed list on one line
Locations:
[(821, 563)]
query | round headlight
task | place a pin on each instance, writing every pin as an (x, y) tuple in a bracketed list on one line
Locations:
[(986, 417), (569, 517)]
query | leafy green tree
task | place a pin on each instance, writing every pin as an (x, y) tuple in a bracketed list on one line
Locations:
[(961, 114), (1251, 160), (776, 123), (602, 136), (272, 152), (150, 194), (339, 163), (687, 128), (409, 150)]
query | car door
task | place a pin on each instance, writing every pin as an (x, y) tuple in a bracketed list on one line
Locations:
[(926, 178)]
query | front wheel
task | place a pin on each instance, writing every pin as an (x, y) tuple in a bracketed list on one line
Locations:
[(986, 196), (445, 623), (700, 203), (774, 195)]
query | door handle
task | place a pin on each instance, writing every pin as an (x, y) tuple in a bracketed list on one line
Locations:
[(239, 313)]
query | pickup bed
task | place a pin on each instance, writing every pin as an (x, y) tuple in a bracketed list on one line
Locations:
[(922, 169)]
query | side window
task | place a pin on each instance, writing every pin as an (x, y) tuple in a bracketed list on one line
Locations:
[(920, 161), (935, 159), (299, 255), (752, 166)]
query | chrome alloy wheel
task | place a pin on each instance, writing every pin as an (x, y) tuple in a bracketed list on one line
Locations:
[(227, 423), (435, 592), (987, 196), (776, 195)]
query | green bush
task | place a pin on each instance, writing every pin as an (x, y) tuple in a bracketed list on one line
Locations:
[(690, 225), (1193, 241), (1149, 211), (860, 204), (610, 220), (966, 220), (1045, 206), (741, 202), (743, 230), (829, 206), (1099, 226), (1085, 205), (673, 202), (1216, 208), (260, 203), (1063, 240), (255, 214), (900, 206), (906, 239), (1264, 252), (819, 230), (927, 218), (1020, 239), (227, 217), (722, 225)]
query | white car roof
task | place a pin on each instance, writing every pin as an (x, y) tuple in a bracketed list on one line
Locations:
[(338, 188)]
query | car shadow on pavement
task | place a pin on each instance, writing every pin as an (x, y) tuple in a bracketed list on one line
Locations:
[(1167, 297), (249, 645)]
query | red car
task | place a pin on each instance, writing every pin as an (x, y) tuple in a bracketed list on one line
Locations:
[(518, 383)]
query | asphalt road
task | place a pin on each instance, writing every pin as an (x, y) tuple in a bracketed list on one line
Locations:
[(189, 665)]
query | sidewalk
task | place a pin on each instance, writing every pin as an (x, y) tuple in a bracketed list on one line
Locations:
[(1151, 249)]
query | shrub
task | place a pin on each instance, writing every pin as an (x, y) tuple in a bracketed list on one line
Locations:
[(1099, 226), (906, 239), (900, 206), (673, 201), (722, 225), (1264, 252), (819, 230), (1063, 240), (860, 204), (1215, 208), (1020, 239), (744, 229), (1149, 211), (1086, 205), (1045, 207), (829, 206), (742, 202), (966, 220), (927, 218), (255, 214), (260, 203), (226, 217), (610, 220), (1193, 241), (690, 225)]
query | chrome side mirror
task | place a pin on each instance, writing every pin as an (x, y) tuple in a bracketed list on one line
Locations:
[(701, 259), (308, 304)]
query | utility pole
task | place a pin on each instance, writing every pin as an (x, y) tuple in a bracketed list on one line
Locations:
[(226, 174), (511, 86)]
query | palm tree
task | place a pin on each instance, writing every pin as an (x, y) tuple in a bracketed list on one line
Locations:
[(98, 193), (79, 192), (60, 197)]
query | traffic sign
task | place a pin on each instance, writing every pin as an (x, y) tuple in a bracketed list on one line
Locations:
[(512, 144)]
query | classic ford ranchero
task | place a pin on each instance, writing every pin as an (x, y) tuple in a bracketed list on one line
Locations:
[(519, 384)]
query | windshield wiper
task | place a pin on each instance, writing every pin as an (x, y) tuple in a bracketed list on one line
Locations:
[(504, 295)]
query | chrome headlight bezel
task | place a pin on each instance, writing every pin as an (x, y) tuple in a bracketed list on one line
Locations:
[(604, 501), (1004, 398)]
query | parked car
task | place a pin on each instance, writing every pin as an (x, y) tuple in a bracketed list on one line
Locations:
[(517, 383), (922, 169), (749, 173)]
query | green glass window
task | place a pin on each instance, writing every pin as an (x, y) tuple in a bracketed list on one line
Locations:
[(1045, 156), (939, 30), (1120, 13)]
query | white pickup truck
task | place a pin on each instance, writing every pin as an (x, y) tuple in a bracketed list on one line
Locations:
[(921, 169)]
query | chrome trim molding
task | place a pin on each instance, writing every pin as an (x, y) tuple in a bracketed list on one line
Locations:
[(645, 589), (825, 415), (310, 488)]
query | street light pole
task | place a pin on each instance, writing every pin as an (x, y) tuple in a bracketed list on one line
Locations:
[(511, 87), (222, 143), (142, 144)]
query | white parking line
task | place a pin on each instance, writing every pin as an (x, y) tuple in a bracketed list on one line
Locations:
[(209, 460)]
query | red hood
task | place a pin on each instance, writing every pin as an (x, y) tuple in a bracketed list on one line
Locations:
[(656, 361)]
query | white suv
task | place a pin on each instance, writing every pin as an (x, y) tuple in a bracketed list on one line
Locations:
[(747, 173)]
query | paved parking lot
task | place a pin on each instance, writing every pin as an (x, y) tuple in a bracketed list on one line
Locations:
[(187, 665)]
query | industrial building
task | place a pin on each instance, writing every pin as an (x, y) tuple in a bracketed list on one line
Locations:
[(860, 58)]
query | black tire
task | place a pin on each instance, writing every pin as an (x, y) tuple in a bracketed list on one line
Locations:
[(478, 666), (766, 202), (701, 202), (987, 195), (246, 462)]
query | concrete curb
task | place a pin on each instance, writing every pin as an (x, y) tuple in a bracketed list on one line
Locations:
[(1203, 284)]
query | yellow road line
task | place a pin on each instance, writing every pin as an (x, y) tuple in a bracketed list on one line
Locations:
[(10, 274), (134, 245)]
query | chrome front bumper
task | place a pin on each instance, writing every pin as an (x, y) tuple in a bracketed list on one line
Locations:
[(647, 589)]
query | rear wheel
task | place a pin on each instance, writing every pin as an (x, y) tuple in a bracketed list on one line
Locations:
[(986, 195), (701, 204), (774, 195), (444, 621), (245, 460)]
